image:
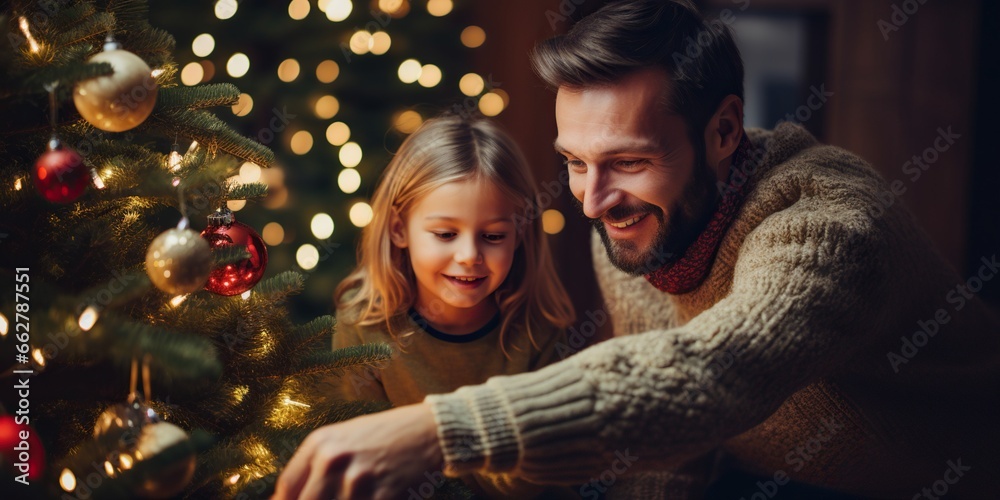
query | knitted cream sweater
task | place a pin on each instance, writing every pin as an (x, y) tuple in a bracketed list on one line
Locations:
[(783, 357)]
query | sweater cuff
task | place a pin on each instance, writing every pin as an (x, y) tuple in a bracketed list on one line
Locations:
[(511, 421)]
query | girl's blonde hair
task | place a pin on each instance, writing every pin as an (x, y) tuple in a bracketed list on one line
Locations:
[(449, 149)]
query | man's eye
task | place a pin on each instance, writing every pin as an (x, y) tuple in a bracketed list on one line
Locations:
[(444, 235), (494, 237), (574, 164), (630, 164)]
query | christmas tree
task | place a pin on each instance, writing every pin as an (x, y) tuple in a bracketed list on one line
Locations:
[(125, 377)]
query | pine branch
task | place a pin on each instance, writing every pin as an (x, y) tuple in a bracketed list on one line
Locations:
[(249, 191), (210, 132), (311, 331), (281, 285), (200, 97), (344, 358)]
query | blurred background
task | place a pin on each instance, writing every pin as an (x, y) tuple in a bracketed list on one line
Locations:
[(334, 87)]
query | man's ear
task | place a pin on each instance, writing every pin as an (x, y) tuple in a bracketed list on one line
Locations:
[(397, 230), (723, 134)]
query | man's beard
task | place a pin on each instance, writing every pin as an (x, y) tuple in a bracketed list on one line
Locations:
[(688, 218)]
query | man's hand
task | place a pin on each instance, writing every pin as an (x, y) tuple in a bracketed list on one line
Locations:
[(375, 456)]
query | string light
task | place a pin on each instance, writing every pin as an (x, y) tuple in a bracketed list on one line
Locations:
[(409, 71), (156, 72), (301, 142), (288, 70), (292, 402), (350, 154), (98, 181), (273, 234), (67, 480), (17, 184), (243, 105), (473, 36), (88, 318), (32, 43), (174, 160), (298, 9), (225, 9), (4, 326), (471, 84), (439, 8), (349, 180), (381, 41), (321, 226), (245, 295), (430, 75), (238, 65), (236, 477), (39, 358), (178, 300), (361, 214), (338, 10), (327, 71), (307, 256), (553, 221), (110, 469), (338, 133), (361, 42), (203, 45)]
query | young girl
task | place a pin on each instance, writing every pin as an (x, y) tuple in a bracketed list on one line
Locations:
[(454, 271)]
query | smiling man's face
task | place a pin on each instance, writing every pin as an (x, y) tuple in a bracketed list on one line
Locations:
[(632, 168)]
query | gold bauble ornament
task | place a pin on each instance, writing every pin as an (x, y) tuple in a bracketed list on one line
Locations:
[(179, 261), (169, 480), (119, 101)]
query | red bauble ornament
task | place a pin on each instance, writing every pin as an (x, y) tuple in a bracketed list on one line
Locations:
[(17, 443), (60, 174), (236, 278)]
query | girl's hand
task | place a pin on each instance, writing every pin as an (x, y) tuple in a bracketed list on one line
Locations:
[(375, 456)]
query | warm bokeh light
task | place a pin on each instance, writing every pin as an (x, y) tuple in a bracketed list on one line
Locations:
[(177, 300), (5, 325), (553, 221), (361, 42), (298, 9), (381, 41), (471, 84), (473, 36), (288, 70), (439, 8), (430, 75), (409, 71), (243, 105), (349, 180), (203, 45), (503, 96), (273, 234), (490, 104), (327, 71), (307, 256), (338, 133), (301, 142), (350, 155), (224, 9), (238, 65), (88, 318), (327, 107), (249, 172), (338, 10), (68, 481), (395, 8), (236, 205), (321, 226), (408, 121), (192, 74), (209, 68), (361, 214)]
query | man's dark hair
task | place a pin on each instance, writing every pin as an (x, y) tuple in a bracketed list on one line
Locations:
[(700, 58)]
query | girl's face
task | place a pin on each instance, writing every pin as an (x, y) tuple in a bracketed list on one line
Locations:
[(461, 240)]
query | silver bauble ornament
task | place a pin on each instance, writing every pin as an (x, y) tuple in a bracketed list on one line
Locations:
[(179, 261), (119, 101), (167, 481)]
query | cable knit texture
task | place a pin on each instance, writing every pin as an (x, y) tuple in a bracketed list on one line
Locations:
[(782, 357)]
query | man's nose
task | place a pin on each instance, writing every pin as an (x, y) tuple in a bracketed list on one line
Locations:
[(600, 193)]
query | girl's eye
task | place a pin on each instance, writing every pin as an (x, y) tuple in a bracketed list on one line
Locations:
[(444, 236), (494, 237)]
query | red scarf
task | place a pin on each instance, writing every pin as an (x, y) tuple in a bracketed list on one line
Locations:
[(688, 272)]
